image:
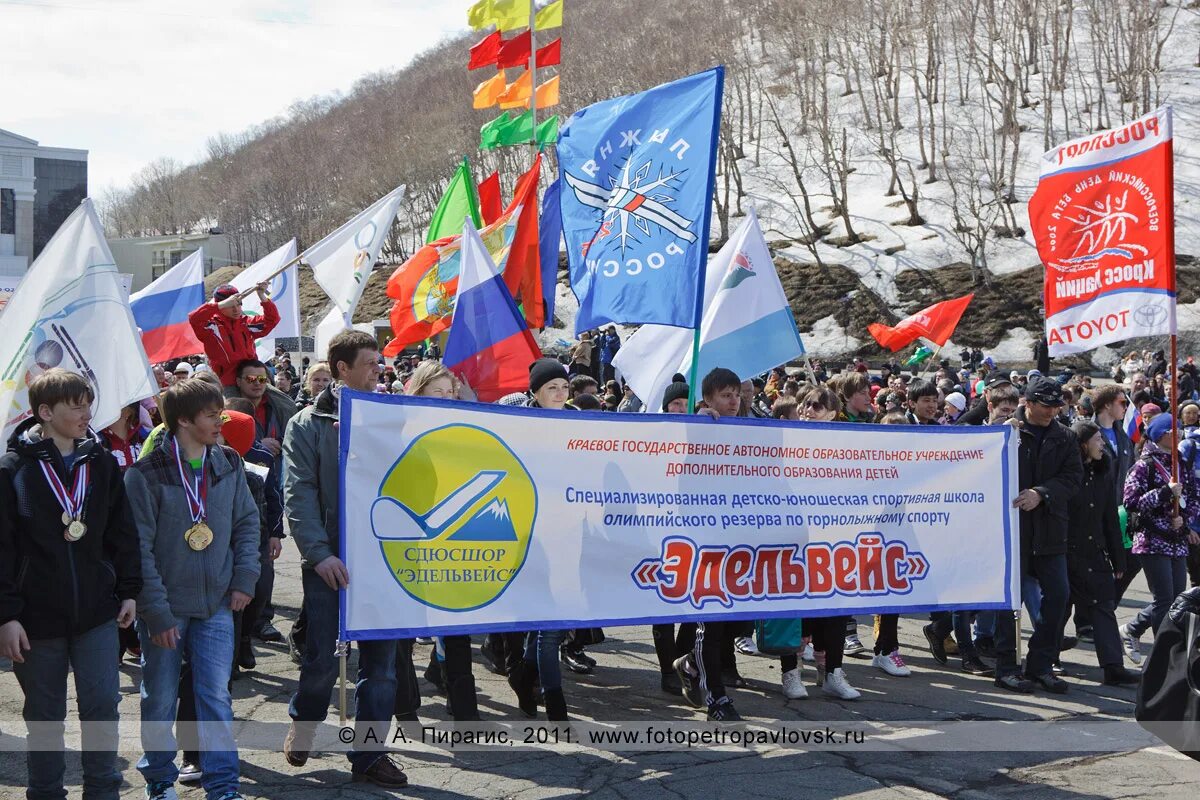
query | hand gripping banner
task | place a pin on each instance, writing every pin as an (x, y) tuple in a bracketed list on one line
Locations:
[(1102, 218), (463, 518)]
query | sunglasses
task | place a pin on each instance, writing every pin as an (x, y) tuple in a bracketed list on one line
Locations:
[(815, 405), (254, 378)]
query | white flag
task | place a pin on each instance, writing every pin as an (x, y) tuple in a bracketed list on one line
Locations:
[(331, 325), (747, 325), (284, 292), (342, 261), (70, 310)]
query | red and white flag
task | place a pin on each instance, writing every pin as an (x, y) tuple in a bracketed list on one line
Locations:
[(1103, 219), (936, 323)]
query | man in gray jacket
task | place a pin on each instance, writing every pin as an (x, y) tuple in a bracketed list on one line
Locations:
[(199, 532), (310, 496)]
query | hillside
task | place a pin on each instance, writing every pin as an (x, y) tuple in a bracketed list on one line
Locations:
[(889, 151)]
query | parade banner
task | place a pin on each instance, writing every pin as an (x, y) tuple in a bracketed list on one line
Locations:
[(1102, 217), (462, 518)]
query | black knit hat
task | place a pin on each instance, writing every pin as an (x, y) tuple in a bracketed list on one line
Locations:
[(543, 371), (675, 391)]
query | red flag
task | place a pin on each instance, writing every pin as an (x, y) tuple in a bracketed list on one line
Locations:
[(490, 205), (485, 52), (935, 323), (515, 52), (523, 269), (550, 55), (1103, 220)]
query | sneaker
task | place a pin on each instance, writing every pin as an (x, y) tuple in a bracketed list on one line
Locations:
[(837, 685), (581, 655), (937, 646), (161, 790), (1014, 683), (268, 633), (384, 772), (672, 685), (1085, 634), (1132, 645), (190, 773), (973, 666), (950, 646), (854, 645), (746, 646), (723, 711), (793, 686), (297, 744), (1058, 669), (892, 664), (572, 661), (1117, 675), (1051, 683), (807, 654), (690, 679), (424, 640)]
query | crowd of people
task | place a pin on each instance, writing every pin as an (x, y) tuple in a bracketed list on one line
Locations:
[(160, 532)]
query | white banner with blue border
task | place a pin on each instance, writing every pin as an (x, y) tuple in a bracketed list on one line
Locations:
[(463, 518)]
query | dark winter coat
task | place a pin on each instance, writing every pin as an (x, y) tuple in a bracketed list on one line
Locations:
[(54, 587), (1093, 527), (1122, 460), (1054, 470)]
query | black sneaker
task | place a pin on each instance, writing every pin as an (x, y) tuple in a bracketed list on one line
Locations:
[(672, 685), (581, 655), (1014, 683), (1057, 668), (974, 666), (268, 633), (1051, 683), (573, 662), (723, 711), (937, 645), (689, 679)]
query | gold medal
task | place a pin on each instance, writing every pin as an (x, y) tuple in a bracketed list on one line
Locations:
[(75, 531), (199, 536), (66, 518)]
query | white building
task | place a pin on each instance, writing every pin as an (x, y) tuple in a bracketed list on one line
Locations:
[(148, 257), (39, 188)]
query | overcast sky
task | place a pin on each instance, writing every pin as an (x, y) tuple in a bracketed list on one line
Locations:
[(133, 80)]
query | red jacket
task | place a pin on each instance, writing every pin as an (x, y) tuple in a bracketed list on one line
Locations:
[(227, 342)]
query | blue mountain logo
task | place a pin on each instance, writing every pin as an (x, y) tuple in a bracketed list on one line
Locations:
[(492, 523)]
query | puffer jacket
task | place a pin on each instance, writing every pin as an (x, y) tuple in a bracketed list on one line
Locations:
[(53, 587)]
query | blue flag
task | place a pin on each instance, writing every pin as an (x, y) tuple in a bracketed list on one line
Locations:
[(637, 182), (549, 237)]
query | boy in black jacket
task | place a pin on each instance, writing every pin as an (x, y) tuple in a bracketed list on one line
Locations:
[(70, 572)]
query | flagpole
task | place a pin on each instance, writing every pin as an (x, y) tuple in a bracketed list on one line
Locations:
[(1174, 365), (705, 225), (270, 277), (533, 144)]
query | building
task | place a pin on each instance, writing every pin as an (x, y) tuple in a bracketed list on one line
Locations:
[(146, 258), (39, 188)]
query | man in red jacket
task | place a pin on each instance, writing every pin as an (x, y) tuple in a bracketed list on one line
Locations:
[(227, 335)]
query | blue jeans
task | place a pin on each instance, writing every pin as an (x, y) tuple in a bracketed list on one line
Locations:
[(1167, 577), (541, 648), (1031, 596), (985, 625), (375, 690), (43, 678), (208, 646)]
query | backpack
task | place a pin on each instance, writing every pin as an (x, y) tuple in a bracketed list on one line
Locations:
[(778, 637)]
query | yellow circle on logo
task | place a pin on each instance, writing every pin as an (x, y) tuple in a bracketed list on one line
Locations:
[(455, 516)]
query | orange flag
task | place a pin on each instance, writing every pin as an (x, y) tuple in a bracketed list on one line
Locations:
[(489, 91), (547, 94), (518, 92)]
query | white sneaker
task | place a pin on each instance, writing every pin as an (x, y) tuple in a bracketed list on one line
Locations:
[(793, 686), (808, 654), (853, 645), (424, 640), (1132, 645), (892, 664), (837, 685), (746, 646)]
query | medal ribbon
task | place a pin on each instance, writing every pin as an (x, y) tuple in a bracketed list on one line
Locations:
[(195, 488), (71, 503)]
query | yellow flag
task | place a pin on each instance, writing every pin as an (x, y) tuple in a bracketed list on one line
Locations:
[(510, 15), (489, 91), (518, 92), (547, 94), (549, 17), (480, 15)]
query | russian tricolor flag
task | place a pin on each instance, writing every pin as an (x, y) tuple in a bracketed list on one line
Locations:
[(161, 310), (489, 344), (1133, 423)]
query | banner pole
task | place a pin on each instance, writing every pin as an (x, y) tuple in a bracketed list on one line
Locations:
[(1020, 648), (342, 650), (693, 377), (1174, 364), (270, 277)]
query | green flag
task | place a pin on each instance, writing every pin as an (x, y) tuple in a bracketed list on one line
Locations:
[(489, 134), (458, 203), (518, 131), (547, 132)]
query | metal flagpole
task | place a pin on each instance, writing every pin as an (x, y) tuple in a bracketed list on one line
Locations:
[(272, 276), (343, 649)]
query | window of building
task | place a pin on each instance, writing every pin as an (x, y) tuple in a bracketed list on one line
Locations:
[(60, 187), (8, 211)]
